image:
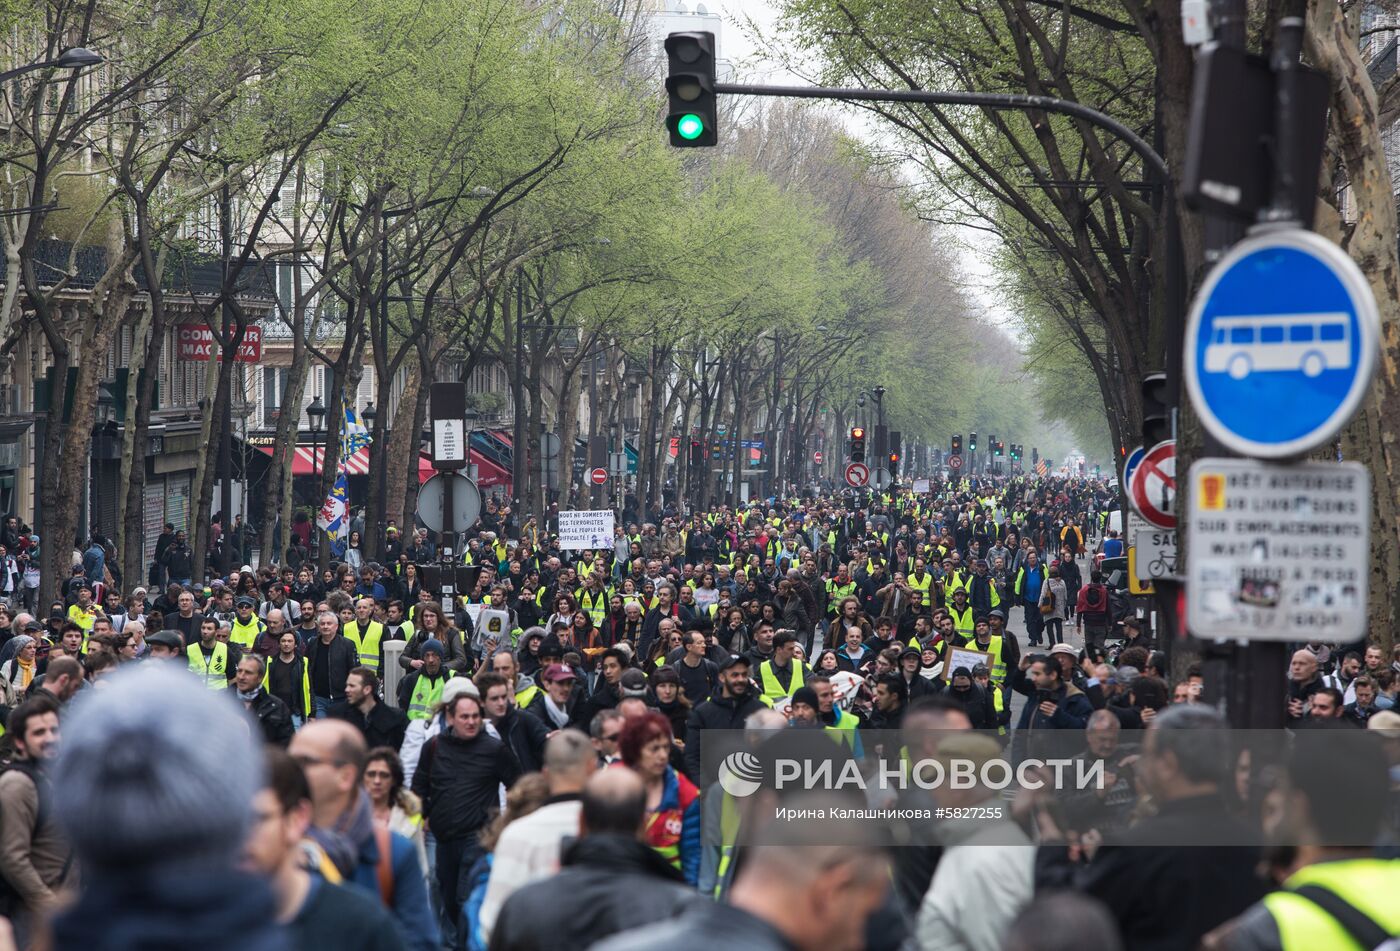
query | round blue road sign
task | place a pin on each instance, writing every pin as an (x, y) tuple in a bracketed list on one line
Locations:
[(1281, 344), (1134, 458)]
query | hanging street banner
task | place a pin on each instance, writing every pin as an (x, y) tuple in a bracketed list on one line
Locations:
[(196, 342), (586, 530), (1278, 553)]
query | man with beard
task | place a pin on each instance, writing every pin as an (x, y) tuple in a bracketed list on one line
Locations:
[(725, 711)]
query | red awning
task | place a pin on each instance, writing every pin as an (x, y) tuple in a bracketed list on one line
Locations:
[(310, 462), (488, 473)]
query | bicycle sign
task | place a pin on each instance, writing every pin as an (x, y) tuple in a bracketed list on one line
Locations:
[(1156, 554)]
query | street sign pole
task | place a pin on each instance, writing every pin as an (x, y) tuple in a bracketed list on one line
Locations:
[(447, 405)]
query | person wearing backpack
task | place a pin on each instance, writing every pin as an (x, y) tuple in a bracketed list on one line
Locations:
[(35, 857), (1092, 614)]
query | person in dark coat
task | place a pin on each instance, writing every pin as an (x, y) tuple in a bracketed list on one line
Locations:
[(274, 717), (1177, 875), (524, 733), (727, 711), (610, 881), (978, 703)]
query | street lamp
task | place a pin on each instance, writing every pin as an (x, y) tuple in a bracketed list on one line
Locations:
[(75, 58), (316, 413), (369, 413)]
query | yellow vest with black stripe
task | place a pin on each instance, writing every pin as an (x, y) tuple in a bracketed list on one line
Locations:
[(1369, 884), (306, 708), (768, 685), (213, 670), (246, 635), (426, 693), (368, 643)]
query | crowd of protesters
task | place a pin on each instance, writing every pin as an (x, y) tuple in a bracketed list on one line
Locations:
[(538, 777)]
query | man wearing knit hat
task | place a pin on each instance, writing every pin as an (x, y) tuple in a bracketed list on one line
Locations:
[(180, 767), (421, 690)]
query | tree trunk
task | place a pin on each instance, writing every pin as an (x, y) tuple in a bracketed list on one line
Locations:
[(131, 471), (1332, 45), (204, 472), (401, 453), (420, 416), (284, 454)]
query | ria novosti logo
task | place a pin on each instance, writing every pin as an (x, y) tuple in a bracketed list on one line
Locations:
[(740, 774)]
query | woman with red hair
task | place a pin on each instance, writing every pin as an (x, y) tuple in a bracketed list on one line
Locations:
[(673, 802)]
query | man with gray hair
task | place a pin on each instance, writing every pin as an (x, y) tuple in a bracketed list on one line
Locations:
[(529, 848), (1188, 869), (329, 658)]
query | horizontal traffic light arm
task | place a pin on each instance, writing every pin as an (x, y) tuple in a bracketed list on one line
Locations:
[(987, 100)]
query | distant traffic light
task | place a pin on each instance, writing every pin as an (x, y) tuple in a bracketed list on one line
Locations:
[(857, 444), (893, 464), (992, 445), (957, 445), (697, 453), (693, 110), (971, 442), (1156, 414)]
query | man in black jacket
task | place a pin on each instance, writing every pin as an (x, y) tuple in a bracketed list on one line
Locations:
[(274, 717), (522, 732), (724, 712), (458, 775), (381, 724), (1166, 890), (330, 658), (610, 880)]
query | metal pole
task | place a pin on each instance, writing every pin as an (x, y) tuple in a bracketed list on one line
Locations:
[(518, 394), (592, 422), (226, 437), (379, 501)]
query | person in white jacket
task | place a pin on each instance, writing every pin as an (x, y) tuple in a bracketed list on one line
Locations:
[(987, 872)]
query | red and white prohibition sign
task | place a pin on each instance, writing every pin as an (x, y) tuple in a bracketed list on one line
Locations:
[(1152, 489), (857, 474)]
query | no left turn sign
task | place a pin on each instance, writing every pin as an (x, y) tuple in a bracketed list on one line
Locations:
[(1152, 490), (857, 474)]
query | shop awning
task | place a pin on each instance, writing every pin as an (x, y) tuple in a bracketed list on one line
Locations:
[(488, 473), (308, 461)]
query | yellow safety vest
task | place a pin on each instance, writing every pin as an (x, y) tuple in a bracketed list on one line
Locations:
[(999, 703), (306, 708), (426, 694), (962, 620), (993, 647), (368, 644), (594, 604), (923, 587), (844, 729), (213, 670), (838, 593), (245, 635), (1369, 884), (768, 683), (523, 697)]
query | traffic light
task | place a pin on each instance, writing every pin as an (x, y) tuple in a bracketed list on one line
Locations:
[(1156, 414), (992, 445), (857, 444), (693, 110), (1035, 456), (971, 442), (697, 453), (895, 437), (957, 445)]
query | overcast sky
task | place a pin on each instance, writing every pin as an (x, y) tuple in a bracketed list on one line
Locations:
[(755, 65)]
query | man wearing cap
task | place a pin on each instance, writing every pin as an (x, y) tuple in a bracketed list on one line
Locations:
[(164, 645), (802, 710), (246, 627), (420, 691), (558, 707), (779, 677), (726, 711), (916, 684)]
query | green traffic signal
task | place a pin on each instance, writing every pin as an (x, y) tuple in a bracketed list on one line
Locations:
[(690, 127)]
